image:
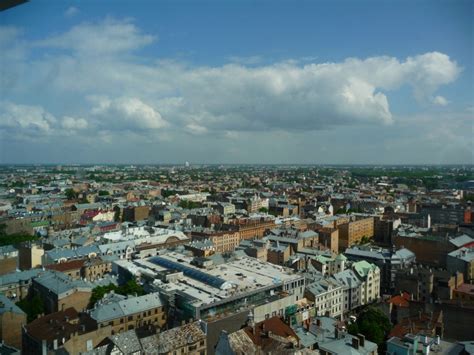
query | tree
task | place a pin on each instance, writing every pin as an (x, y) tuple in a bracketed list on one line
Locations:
[(33, 307), (263, 210), (373, 323), (16, 239), (103, 193), (71, 194), (129, 288)]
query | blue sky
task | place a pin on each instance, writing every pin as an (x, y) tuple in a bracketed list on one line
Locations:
[(237, 82)]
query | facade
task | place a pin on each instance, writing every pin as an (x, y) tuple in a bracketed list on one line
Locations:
[(429, 249), (123, 313), (329, 237), (426, 284), (12, 319), (8, 259), (352, 233), (360, 280), (462, 260), (96, 268), (65, 331), (327, 295), (60, 292), (388, 260), (222, 241), (16, 285), (30, 256)]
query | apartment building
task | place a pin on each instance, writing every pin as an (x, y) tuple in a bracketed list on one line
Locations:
[(353, 232), (123, 313)]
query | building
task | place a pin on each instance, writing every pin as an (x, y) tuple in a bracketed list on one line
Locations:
[(95, 268), (186, 339), (429, 249), (71, 268), (332, 339), (430, 324), (353, 232), (369, 274), (16, 285), (225, 208), (230, 284), (67, 331), (427, 284), (462, 260), (327, 294), (421, 344), (388, 260), (12, 319), (329, 237), (251, 228), (271, 336), (221, 241), (58, 291), (464, 294), (124, 313), (8, 259), (30, 256)]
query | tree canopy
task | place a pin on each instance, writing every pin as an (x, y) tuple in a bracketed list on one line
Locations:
[(32, 306), (373, 323), (129, 288)]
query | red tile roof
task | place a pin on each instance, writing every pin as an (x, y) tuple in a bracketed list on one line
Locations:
[(400, 300)]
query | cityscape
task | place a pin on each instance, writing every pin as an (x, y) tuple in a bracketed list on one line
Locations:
[(220, 178)]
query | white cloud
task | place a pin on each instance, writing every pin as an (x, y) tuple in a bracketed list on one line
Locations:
[(440, 101), (25, 120), (71, 123), (94, 39), (71, 11), (133, 95), (126, 113)]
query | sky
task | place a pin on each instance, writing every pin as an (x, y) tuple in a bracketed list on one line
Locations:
[(270, 82)]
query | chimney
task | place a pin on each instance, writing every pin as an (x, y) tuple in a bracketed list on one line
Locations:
[(355, 343), (361, 340)]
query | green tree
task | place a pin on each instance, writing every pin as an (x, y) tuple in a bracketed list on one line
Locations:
[(263, 210), (33, 307), (373, 323), (104, 193), (131, 287), (71, 194)]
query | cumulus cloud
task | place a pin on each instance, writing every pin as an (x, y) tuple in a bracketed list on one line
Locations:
[(71, 11), (25, 119), (440, 101), (93, 39), (126, 113), (119, 92), (71, 123)]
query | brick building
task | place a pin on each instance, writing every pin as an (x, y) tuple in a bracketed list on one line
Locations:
[(352, 233), (8, 259), (12, 319)]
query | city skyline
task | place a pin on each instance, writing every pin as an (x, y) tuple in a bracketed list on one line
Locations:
[(270, 83)]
